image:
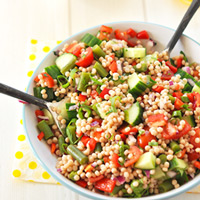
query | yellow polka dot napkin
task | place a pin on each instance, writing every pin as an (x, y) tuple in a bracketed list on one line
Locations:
[(26, 167)]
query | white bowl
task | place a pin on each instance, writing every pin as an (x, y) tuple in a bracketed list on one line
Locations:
[(161, 35)]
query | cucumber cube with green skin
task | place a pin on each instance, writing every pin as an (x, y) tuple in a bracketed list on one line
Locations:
[(65, 62), (133, 115), (177, 163), (159, 174), (134, 52), (146, 161)]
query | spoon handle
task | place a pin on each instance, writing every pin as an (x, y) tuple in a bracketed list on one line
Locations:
[(187, 17), (22, 95)]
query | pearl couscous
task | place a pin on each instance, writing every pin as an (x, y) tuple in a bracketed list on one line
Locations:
[(130, 118)]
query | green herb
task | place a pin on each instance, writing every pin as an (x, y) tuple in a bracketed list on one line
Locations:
[(122, 148), (184, 57), (113, 108), (73, 72), (96, 82), (153, 144), (141, 132), (186, 107)]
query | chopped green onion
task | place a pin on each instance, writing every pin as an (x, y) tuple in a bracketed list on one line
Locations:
[(113, 100), (97, 50), (63, 81), (83, 81), (141, 132), (172, 99), (186, 107), (185, 99), (62, 145), (44, 127), (163, 158), (100, 69), (153, 143), (177, 113), (95, 81), (53, 71), (165, 186), (71, 113), (71, 131), (72, 175), (174, 146), (84, 108), (98, 147), (184, 57)]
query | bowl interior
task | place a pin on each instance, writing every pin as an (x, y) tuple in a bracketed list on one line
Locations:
[(158, 33)]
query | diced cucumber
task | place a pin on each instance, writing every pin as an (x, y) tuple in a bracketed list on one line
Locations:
[(65, 62), (49, 115), (190, 119), (159, 174), (134, 114), (177, 163), (196, 87), (150, 82), (134, 52), (100, 111), (146, 161), (90, 40), (136, 85)]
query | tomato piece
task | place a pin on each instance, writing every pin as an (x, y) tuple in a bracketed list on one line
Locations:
[(39, 113), (178, 94), (182, 154), (95, 179), (113, 67), (197, 164), (40, 136), (36, 79), (133, 129), (192, 138), (48, 79), (97, 134), (123, 137), (106, 159), (85, 140), (134, 63), (158, 89), (135, 151), (131, 32), (82, 97), (79, 134), (106, 29), (167, 76), (98, 120), (81, 183), (169, 131), (86, 59), (197, 99), (74, 48), (53, 147), (157, 120), (190, 97), (185, 130), (193, 156), (196, 73), (69, 48), (105, 184), (144, 139), (94, 94), (120, 35), (178, 104), (142, 35), (171, 67), (179, 62), (115, 160), (92, 144), (104, 92), (103, 36)]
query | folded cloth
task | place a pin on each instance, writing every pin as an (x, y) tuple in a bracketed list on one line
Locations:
[(26, 167)]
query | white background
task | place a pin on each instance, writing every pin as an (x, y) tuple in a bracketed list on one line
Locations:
[(21, 20)]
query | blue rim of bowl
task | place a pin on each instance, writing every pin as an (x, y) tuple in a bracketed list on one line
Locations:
[(86, 192)]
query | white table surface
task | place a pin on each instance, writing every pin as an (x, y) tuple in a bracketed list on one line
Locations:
[(21, 20)]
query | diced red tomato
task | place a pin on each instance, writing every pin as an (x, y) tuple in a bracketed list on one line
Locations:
[(87, 59), (131, 32), (85, 140), (158, 89), (97, 134), (113, 67), (142, 35), (82, 97), (92, 144), (53, 147), (170, 131), (123, 137), (132, 130), (39, 113), (197, 164), (97, 120), (178, 94), (144, 139), (40, 136), (95, 179), (171, 67), (115, 160), (157, 120), (179, 62), (167, 76), (36, 79), (48, 79), (103, 36), (134, 63), (196, 73), (196, 99), (79, 134), (106, 29), (135, 151), (190, 97), (192, 138), (104, 92), (105, 184), (74, 48), (81, 183), (182, 154), (106, 159), (193, 156), (94, 94), (178, 104)]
